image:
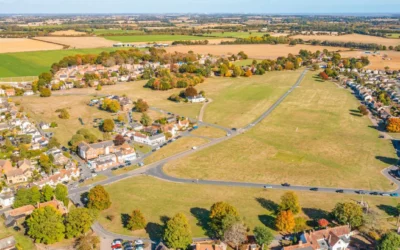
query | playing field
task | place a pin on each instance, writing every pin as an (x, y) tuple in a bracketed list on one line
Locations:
[(154, 38), (257, 51), (239, 101), (357, 38), (313, 138), (378, 61), (8, 45), (34, 63), (79, 42), (255, 205)]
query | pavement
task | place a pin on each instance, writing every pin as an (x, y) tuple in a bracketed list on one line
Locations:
[(156, 170)]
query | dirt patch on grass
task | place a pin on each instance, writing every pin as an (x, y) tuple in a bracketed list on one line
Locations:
[(79, 42), (8, 45)]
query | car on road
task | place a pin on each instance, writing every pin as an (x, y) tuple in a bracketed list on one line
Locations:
[(373, 193), (194, 147), (228, 134), (385, 194), (94, 175), (267, 186), (360, 192), (140, 164), (285, 184), (81, 180), (394, 194), (114, 168), (340, 191), (121, 166), (314, 189), (381, 136), (234, 129)]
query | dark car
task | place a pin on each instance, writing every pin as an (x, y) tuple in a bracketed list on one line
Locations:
[(373, 193), (81, 180), (234, 129), (285, 184), (360, 192), (114, 168), (121, 166), (340, 191), (314, 189)]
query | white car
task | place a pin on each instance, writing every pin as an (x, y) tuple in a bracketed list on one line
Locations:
[(228, 134), (194, 147), (94, 175)]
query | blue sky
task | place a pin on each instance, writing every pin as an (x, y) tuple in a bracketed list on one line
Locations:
[(199, 6)]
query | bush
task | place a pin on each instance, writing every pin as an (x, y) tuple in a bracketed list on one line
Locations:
[(393, 125), (45, 92)]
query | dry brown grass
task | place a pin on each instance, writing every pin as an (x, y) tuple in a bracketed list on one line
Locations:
[(257, 51), (376, 61), (8, 45), (209, 132), (79, 42), (357, 38), (67, 33)]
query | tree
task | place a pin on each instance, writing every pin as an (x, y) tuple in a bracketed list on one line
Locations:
[(300, 224), (121, 118), (119, 140), (190, 92), (290, 201), (45, 225), (145, 120), (324, 76), (23, 197), (393, 125), (47, 193), (177, 232), (289, 65), (45, 92), (363, 109), (315, 66), (141, 106), (248, 73), (64, 114), (45, 163), (263, 236), (323, 223), (35, 195), (53, 142), (78, 221), (237, 71), (98, 198), (61, 193), (236, 234), (87, 242), (218, 212), (98, 88), (285, 221), (108, 125), (136, 221), (389, 241), (348, 213)]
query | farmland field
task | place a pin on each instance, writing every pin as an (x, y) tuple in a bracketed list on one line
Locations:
[(357, 38), (313, 138), (244, 34), (79, 42), (67, 33), (256, 51), (8, 45), (154, 38), (151, 195), (102, 32), (377, 61), (34, 63)]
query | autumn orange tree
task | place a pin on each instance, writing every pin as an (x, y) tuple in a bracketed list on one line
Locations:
[(323, 223), (285, 221), (248, 73), (324, 76), (393, 125)]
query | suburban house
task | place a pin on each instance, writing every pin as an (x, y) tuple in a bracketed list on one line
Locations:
[(90, 151), (194, 99), (62, 176), (19, 174), (209, 246), (149, 140), (336, 238), (59, 158)]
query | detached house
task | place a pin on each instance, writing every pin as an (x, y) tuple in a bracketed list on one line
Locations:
[(90, 151), (19, 174)]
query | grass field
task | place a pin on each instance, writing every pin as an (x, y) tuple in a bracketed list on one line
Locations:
[(18, 79), (394, 35), (255, 205), (238, 101), (67, 33), (180, 145), (209, 132), (357, 38), (313, 138), (154, 38), (93, 180), (34, 63)]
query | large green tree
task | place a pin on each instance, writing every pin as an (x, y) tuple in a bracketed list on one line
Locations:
[(290, 201), (108, 125), (348, 213), (221, 215), (98, 198), (61, 193), (78, 221), (263, 235), (45, 225), (47, 193), (136, 221), (177, 232), (389, 241)]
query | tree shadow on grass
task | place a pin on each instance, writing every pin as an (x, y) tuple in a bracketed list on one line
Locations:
[(124, 219), (268, 204), (387, 160), (389, 210), (155, 231), (354, 111), (267, 220), (316, 213), (203, 218), (356, 114)]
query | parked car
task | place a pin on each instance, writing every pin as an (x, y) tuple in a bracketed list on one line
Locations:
[(194, 147), (114, 168), (267, 186), (385, 194), (314, 189), (373, 193), (340, 191), (94, 175), (285, 184), (394, 194), (121, 166), (140, 164)]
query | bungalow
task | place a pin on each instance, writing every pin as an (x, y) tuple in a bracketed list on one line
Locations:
[(183, 124), (195, 99), (330, 238), (149, 140)]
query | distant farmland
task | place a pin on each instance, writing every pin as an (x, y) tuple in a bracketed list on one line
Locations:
[(155, 38), (34, 63)]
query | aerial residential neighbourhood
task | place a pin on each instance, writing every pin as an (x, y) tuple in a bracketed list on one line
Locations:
[(211, 125)]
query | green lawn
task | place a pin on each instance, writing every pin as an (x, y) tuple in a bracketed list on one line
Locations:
[(24, 241), (159, 199), (154, 38), (245, 62), (394, 35), (238, 101), (313, 138), (36, 62), (103, 32)]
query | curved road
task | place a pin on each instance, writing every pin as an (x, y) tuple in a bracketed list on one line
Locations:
[(156, 170)]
